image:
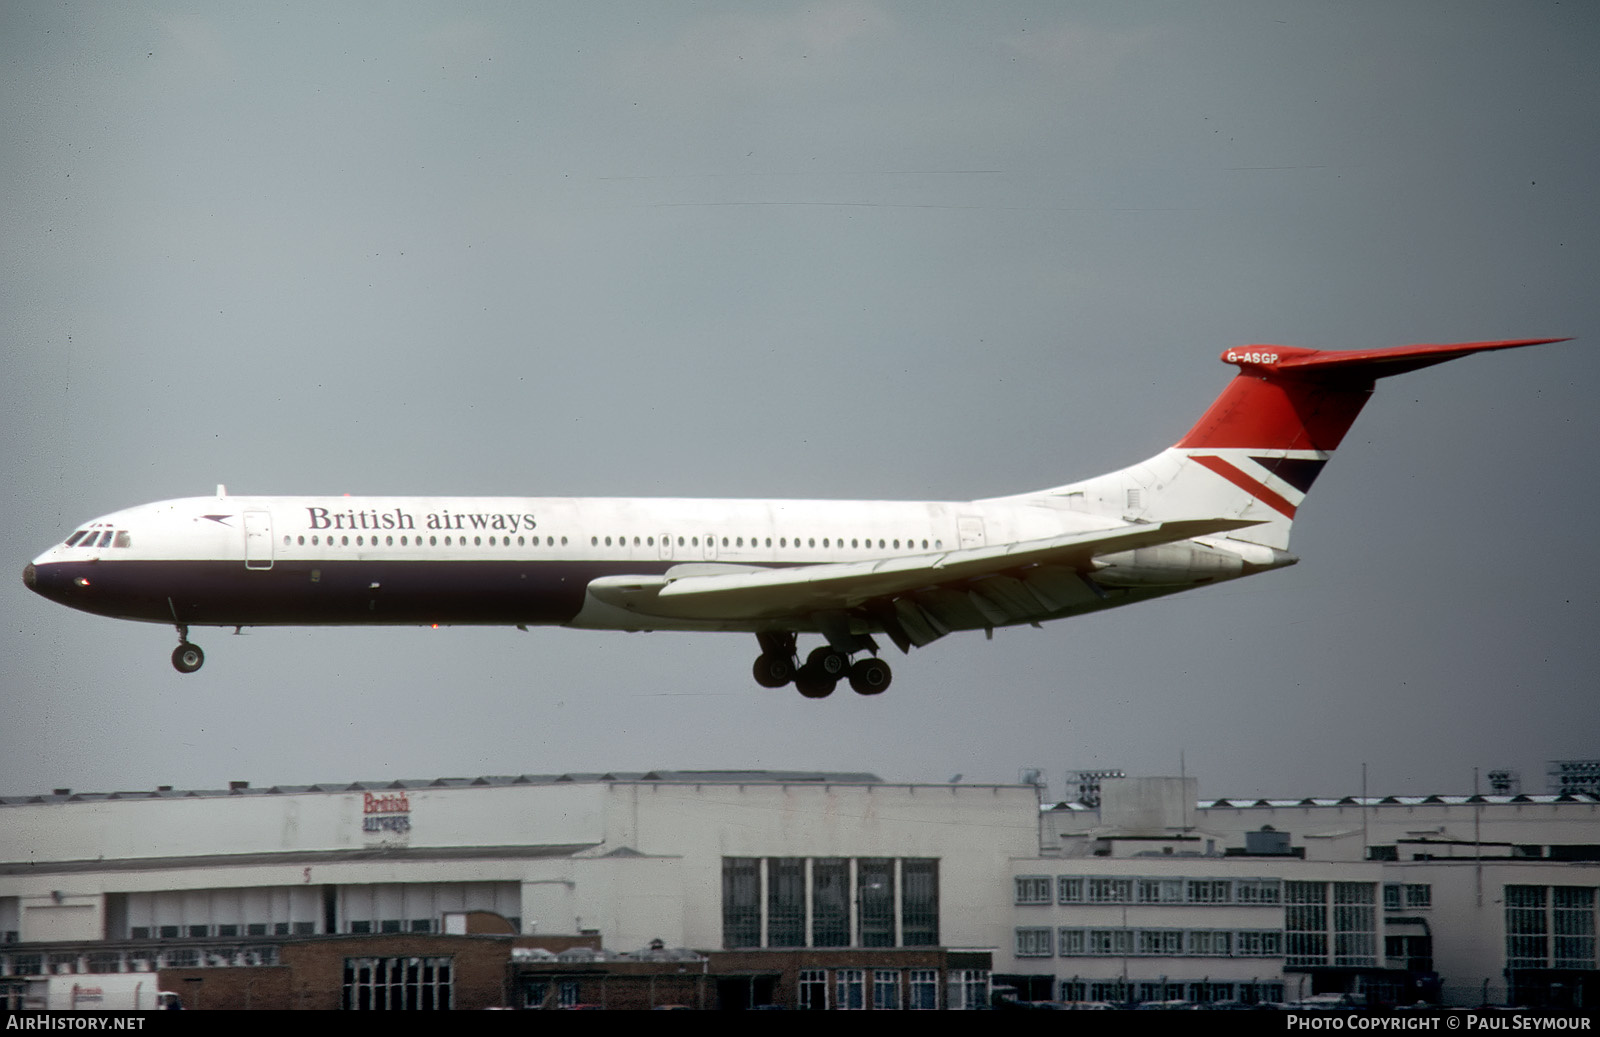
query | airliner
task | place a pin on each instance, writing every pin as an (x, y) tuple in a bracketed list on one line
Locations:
[(1216, 506)]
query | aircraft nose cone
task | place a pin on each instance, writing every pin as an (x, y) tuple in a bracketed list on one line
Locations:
[(30, 578)]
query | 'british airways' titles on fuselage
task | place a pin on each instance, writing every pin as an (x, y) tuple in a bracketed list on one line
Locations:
[(398, 518)]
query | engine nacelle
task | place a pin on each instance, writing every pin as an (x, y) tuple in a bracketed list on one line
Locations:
[(1167, 565)]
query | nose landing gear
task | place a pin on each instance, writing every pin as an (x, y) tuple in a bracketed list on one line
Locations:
[(187, 657)]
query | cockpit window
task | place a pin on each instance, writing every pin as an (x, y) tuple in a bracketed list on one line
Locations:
[(74, 538), (122, 540), (105, 539)]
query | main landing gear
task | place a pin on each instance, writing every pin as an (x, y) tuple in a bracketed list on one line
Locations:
[(187, 657), (823, 669)]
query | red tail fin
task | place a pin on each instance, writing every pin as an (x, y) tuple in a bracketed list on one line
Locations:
[(1288, 398)]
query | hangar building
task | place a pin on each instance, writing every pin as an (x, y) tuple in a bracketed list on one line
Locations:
[(796, 889)]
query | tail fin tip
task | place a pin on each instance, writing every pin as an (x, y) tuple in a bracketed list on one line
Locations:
[(1362, 363)]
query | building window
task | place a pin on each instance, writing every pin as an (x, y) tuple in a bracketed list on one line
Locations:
[(1209, 993), (813, 993), (1258, 943), (1110, 891), (1305, 921), (741, 902), (1414, 896), (398, 983), (1210, 891), (1261, 993), (1206, 943), (919, 902), (765, 902), (1527, 942), (850, 990), (875, 901), (1103, 943), (1114, 991), (1535, 914), (1572, 915), (969, 990), (1069, 890), (924, 990), (830, 902), (886, 990), (1355, 924), (1034, 943), (1164, 943), (1160, 891), (786, 902), (1258, 891), (1033, 889)]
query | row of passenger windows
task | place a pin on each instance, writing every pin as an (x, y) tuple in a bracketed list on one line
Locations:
[(594, 541), (410, 541), (736, 542), (99, 538)]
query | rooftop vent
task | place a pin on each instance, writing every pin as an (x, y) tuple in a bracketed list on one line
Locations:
[(1267, 843)]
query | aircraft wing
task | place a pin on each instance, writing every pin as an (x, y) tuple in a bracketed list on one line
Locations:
[(925, 595)]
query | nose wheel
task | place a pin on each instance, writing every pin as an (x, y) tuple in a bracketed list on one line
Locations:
[(187, 657)]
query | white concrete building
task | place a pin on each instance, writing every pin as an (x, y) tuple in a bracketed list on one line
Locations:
[(1158, 896), (694, 859)]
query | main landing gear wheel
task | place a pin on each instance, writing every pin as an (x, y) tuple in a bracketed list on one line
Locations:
[(813, 685), (828, 661), (870, 676), (821, 673), (187, 658), (774, 671)]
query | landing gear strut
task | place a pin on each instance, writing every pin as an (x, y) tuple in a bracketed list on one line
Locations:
[(187, 657), (824, 668), (775, 666)]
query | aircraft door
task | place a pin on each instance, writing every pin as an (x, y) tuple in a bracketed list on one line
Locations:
[(970, 528), (258, 540)]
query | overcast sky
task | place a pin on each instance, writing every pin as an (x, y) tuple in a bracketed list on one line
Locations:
[(831, 249)]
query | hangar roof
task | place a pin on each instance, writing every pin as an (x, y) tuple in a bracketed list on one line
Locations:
[(239, 788)]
